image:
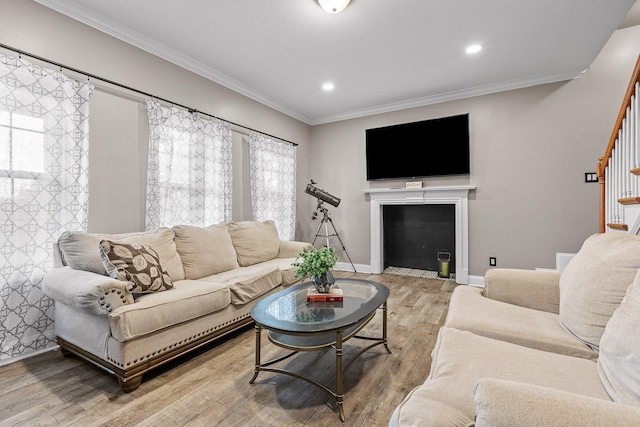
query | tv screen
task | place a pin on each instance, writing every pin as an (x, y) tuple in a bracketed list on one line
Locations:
[(419, 149)]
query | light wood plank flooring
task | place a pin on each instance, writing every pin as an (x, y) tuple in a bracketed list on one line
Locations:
[(211, 387)]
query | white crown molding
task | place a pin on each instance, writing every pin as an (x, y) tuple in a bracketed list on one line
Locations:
[(136, 39), (132, 37), (452, 96)]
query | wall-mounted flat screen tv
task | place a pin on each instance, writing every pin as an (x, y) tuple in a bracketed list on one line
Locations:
[(419, 149)]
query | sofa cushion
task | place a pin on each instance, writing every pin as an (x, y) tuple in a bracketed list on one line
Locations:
[(619, 362), (254, 241), (81, 250), (594, 282), (284, 265), (136, 264), (470, 311), (460, 359), (248, 283), (205, 251), (150, 313), (247, 289)]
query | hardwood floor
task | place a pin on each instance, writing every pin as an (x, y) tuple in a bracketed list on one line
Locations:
[(211, 387)]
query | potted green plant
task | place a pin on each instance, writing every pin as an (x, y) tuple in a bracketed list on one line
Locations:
[(317, 264)]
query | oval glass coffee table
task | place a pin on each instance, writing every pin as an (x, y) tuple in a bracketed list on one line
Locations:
[(298, 325)]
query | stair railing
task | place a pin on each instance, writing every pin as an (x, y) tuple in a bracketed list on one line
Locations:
[(619, 168)]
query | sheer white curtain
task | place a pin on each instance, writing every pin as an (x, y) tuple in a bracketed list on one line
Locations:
[(44, 125), (189, 172), (272, 172)]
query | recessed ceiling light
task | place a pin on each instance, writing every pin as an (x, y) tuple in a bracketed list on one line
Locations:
[(327, 86), (474, 48), (333, 6)]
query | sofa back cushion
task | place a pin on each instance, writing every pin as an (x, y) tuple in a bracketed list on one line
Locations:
[(594, 283), (81, 250), (619, 359), (254, 241), (205, 251)]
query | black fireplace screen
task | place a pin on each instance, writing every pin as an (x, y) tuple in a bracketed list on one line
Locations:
[(414, 234)]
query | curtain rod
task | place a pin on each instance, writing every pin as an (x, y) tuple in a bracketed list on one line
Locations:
[(129, 88)]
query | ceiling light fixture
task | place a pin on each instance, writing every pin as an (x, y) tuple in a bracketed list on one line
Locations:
[(474, 48), (333, 6), (327, 86)]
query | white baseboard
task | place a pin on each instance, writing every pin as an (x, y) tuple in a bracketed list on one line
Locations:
[(360, 268), (363, 268), (26, 356), (476, 281)]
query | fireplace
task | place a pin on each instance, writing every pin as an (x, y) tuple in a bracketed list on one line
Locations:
[(414, 235), (457, 196)]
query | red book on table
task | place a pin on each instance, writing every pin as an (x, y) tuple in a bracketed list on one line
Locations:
[(334, 295)]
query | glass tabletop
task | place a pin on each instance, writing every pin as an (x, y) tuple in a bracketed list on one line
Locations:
[(289, 311)]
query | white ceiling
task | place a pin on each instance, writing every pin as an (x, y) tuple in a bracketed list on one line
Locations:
[(381, 55)]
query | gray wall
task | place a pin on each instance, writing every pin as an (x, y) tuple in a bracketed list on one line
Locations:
[(118, 124), (530, 149)]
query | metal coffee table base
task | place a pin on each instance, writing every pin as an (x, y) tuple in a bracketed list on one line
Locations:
[(341, 335)]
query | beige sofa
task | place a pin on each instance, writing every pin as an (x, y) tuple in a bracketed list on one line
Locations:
[(189, 286), (539, 348)]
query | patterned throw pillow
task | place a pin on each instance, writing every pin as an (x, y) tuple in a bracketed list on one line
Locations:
[(139, 265)]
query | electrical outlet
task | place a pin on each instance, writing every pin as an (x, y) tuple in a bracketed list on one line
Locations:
[(590, 177), (492, 261)]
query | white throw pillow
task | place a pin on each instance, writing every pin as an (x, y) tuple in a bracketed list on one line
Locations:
[(619, 359), (595, 281)]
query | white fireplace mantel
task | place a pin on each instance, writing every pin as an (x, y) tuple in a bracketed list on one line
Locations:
[(457, 195)]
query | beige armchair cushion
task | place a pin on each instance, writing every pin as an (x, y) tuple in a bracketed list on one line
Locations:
[(470, 311), (619, 361), (509, 403), (536, 289), (254, 241), (460, 359), (594, 283), (205, 251)]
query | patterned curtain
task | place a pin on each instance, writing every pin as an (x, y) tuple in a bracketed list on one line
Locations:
[(189, 173), (44, 126), (273, 183)]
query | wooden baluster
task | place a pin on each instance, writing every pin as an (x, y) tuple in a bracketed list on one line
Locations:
[(609, 206), (617, 180), (619, 169), (628, 159)]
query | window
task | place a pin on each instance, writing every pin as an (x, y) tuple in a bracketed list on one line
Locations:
[(44, 125), (21, 153), (273, 183), (189, 170)]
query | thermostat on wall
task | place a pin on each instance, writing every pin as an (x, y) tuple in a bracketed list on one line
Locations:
[(413, 184)]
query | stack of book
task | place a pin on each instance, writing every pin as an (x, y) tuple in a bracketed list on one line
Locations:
[(334, 295)]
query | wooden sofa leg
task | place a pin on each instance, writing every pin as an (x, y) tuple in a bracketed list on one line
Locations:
[(130, 384)]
